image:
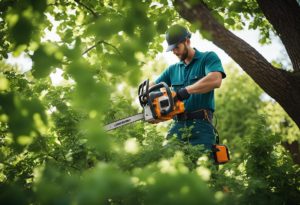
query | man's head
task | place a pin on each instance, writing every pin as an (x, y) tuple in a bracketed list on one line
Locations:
[(178, 38)]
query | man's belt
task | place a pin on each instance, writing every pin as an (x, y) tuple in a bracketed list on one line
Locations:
[(202, 114)]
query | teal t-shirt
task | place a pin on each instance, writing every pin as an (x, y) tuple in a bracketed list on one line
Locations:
[(181, 75)]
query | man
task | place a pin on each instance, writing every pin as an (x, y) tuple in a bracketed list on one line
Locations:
[(194, 79)]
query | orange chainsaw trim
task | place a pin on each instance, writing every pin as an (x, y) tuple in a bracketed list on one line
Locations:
[(177, 108)]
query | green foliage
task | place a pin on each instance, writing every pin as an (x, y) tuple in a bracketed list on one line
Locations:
[(231, 105), (45, 59), (237, 15), (255, 143), (130, 165), (269, 169), (53, 149), (248, 108)]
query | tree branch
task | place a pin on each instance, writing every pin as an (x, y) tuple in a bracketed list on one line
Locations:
[(92, 47), (103, 42), (87, 8), (114, 47)]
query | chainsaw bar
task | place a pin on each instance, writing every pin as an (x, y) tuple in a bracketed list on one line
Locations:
[(124, 121)]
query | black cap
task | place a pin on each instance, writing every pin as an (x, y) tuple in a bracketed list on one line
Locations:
[(175, 35)]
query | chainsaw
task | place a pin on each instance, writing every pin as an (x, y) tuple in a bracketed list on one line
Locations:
[(159, 104)]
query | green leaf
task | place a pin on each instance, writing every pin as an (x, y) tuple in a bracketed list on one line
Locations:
[(230, 21), (162, 25), (106, 27), (39, 6), (45, 59), (116, 64), (21, 31)]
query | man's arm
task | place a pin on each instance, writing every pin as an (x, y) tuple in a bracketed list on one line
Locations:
[(211, 81)]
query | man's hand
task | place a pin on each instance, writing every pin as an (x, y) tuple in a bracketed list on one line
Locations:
[(182, 94)]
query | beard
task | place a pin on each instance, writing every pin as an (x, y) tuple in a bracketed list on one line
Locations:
[(185, 53)]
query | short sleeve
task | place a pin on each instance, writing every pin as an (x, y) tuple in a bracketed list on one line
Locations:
[(164, 77), (213, 64)]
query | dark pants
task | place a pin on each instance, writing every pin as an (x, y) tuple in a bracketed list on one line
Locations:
[(196, 132)]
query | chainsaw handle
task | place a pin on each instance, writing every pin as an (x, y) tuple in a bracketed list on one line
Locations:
[(158, 86), (143, 92), (169, 93)]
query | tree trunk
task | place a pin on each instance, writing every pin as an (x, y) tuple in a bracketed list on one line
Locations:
[(294, 150), (278, 13), (281, 85)]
